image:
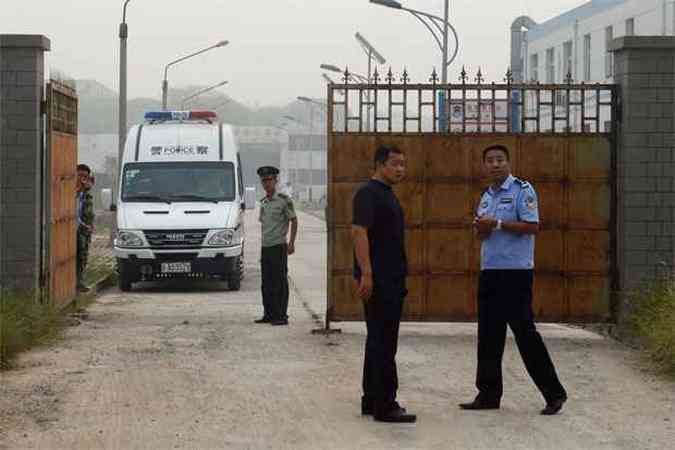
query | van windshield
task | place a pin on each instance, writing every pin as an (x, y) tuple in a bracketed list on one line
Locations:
[(179, 182)]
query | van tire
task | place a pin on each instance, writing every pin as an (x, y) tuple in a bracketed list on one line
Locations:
[(234, 278), (124, 282)]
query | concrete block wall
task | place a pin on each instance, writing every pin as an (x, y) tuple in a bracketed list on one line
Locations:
[(21, 96), (645, 73)]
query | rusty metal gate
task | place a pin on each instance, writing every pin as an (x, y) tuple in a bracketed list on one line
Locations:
[(60, 208), (561, 140)]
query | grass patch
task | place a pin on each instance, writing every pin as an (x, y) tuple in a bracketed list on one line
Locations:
[(652, 321), (24, 323)]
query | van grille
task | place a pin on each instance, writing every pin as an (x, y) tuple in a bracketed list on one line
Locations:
[(175, 239)]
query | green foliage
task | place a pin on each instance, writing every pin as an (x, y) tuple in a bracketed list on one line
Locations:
[(24, 323), (653, 321)]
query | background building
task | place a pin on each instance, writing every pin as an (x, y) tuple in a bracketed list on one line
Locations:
[(576, 43)]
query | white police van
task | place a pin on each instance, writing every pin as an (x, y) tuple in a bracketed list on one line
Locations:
[(180, 203)]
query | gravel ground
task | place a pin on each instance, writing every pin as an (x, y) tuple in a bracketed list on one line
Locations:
[(183, 366)]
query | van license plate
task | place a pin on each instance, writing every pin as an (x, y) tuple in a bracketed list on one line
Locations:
[(177, 267)]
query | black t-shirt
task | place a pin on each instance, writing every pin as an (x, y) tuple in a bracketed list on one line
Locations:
[(377, 209)]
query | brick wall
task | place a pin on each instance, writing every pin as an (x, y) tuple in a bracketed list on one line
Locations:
[(645, 73), (21, 95)]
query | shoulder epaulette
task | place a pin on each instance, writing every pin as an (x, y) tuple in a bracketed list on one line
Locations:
[(284, 196), (523, 183)]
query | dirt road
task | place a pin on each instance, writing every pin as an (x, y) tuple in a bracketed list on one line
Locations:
[(183, 366)]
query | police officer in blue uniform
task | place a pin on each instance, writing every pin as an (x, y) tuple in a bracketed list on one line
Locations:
[(506, 222)]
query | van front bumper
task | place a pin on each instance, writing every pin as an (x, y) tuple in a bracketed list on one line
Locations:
[(203, 252), (146, 264)]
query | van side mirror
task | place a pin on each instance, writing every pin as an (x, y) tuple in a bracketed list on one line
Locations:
[(249, 197), (113, 208)]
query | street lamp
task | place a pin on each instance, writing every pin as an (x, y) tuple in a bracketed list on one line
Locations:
[(200, 92), (372, 54), (122, 110), (165, 83), (336, 69), (435, 25)]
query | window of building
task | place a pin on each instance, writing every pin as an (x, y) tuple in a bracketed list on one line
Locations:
[(534, 67), (567, 59), (550, 65), (587, 57), (630, 27), (609, 56)]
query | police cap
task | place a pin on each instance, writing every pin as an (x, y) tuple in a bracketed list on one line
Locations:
[(266, 171)]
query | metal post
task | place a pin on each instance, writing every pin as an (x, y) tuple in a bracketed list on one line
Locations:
[(370, 63), (311, 169), (444, 70), (122, 125), (165, 92)]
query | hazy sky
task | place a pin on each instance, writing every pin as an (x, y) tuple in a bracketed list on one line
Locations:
[(276, 45)]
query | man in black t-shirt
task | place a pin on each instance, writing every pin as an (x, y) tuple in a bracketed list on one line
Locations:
[(380, 270)]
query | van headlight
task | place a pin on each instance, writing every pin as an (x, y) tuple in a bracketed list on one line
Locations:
[(225, 238), (128, 239)]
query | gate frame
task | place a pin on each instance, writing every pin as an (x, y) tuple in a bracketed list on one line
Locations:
[(53, 122), (516, 124)]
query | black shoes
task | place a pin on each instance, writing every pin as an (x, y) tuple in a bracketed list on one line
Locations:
[(278, 322), (553, 407), (395, 415), (263, 320), (480, 404), (368, 406)]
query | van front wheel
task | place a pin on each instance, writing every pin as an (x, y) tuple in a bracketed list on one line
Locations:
[(234, 277)]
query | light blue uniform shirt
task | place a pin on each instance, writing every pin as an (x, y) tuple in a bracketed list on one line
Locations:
[(515, 201)]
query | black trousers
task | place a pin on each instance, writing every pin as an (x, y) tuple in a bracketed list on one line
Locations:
[(383, 317), (274, 268), (505, 297)]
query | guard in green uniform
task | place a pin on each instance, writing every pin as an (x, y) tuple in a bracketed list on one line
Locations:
[(276, 213), (85, 226)]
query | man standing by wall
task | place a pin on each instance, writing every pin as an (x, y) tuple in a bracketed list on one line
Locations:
[(85, 221), (276, 212), (507, 221), (380, 270)]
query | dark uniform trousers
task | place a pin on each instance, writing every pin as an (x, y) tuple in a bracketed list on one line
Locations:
[(505, 297), (83, 242), (274, 267), (383, 317)]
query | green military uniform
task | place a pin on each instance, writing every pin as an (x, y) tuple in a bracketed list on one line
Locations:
[(84, 235), (275, 214)]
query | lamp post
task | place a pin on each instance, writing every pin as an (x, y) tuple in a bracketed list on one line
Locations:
[(372, 54), (165, 83), (435, 25), (122, 110), (200, 92)]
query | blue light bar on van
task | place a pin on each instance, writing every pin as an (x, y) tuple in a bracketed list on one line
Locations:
[(180, 115)]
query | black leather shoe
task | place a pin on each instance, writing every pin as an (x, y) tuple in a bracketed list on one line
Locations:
[(480, 404), (368, 407), (263, 320), (553, 407), (396, 415), (279, 322)]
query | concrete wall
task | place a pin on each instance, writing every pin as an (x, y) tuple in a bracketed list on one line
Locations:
[(21, 96), (645, 72)]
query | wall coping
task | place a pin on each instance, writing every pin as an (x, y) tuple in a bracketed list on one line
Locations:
[(25, 41), (642, 43)]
